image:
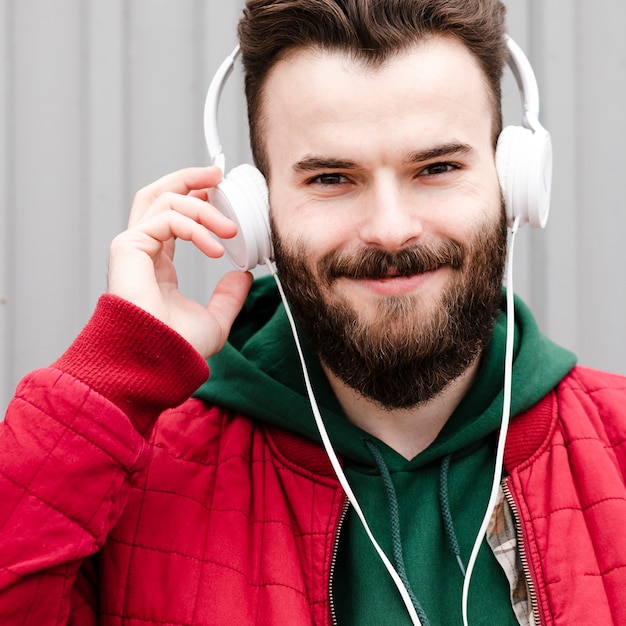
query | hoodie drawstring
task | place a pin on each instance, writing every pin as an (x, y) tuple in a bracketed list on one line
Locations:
[(392, 501), (444, 503), (398, 552)]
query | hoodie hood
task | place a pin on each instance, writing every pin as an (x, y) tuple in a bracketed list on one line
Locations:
[(258, 374)]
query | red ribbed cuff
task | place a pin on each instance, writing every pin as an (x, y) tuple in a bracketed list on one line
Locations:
[(134, 360)]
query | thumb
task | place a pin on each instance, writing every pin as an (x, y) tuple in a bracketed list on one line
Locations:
[(227, 299)]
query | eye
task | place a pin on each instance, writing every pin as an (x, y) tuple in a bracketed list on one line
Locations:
[(328, 179), (435, 169)]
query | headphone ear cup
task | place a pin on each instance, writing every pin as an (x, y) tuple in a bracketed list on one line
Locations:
[(243, 197), (524, 166)]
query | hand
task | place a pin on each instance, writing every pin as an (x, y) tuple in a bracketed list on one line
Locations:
[(141, 268)]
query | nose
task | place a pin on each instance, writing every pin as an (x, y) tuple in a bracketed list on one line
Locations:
[(389, 217)]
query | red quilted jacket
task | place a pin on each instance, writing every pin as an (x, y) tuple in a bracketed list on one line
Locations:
[(221, 520)]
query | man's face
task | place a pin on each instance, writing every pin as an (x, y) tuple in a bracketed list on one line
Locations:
[(386, 213)]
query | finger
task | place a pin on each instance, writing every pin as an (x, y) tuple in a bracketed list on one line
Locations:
[(183, 182), (202, 194), (194, 208), (169, 248), (160, 230)]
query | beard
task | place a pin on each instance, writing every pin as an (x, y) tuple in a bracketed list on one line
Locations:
[(410, 349)]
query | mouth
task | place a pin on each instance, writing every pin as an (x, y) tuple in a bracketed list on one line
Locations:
[(395, 283)]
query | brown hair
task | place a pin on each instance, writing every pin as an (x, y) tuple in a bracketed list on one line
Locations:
[(372, 31)]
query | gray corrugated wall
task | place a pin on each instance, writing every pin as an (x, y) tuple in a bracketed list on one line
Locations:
[(100, 97)]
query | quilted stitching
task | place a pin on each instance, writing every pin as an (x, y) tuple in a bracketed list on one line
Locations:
[(572, 501), (209, 501), (45, 525)]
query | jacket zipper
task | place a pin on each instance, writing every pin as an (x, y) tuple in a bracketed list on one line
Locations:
[(333, 561), (521, 548)]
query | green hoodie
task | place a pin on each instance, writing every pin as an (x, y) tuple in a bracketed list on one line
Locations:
[(258, 374)]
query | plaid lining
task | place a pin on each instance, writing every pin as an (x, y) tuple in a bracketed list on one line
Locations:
[(502, 538)]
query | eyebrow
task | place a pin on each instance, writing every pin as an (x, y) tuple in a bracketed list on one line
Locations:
[(437, 152), (316, 164)]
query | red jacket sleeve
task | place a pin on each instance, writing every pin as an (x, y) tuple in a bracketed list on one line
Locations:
[(70, 445)]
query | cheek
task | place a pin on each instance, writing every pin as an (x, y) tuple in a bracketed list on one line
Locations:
[(473, 208), (281, 218), (304, 228)]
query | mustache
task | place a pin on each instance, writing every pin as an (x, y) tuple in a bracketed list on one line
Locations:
[(372, 263)]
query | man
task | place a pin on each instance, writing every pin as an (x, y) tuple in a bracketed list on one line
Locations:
[(375, 126)]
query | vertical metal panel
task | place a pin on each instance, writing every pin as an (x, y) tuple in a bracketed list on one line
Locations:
[(100, 98), (555, 35), (6, 169), (600, 170), (107, 188), (45, 183)]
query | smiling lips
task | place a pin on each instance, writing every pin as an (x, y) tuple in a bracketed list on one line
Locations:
[(394, 283)]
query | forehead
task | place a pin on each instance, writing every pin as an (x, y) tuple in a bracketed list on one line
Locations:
[(320, 97)]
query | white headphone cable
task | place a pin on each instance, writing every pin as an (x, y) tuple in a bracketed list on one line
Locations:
[(335, 461), (506, 418), (506, 414)]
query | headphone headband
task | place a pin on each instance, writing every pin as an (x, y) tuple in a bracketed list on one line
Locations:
[(526, 83), (211, 105)]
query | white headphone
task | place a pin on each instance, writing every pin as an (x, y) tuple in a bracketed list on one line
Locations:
[(523, 163), (524, 153)]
